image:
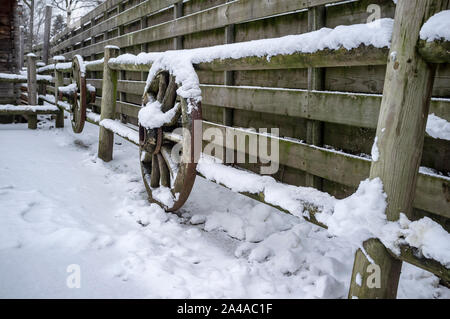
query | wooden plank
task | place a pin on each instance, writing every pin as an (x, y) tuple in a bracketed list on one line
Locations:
[(59, 81), (355, 12), (325, 58), (316, 81), (435, 52), (122, 18), (351, 170), (27, 112), (399, 139), (217, 17), (228, 76), (352, 109), (108, 106), (46, 44), (178, 13), (128, 109), (97, 11), (32, 89)]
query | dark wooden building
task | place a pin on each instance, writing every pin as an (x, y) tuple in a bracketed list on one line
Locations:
[(10, 13)]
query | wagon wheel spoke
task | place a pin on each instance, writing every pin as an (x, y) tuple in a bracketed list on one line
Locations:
[(166, 152), (170, 95), (170, 164), (164, 175), (155, 175), (163, 82)]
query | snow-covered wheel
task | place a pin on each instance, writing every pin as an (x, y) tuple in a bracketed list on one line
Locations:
[(78, 93), (79, 102), (167, 153)]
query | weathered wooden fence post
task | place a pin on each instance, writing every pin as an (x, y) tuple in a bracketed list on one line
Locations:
[(144, 46), (228, 76), (178, 13), (400, 136), (59, 81), (122, 74), (46, 44), (32, 88), (108, 105), (314, 129)]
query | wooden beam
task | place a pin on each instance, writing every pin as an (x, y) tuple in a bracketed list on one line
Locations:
[(316, 81), (46, 43), (217, 17), (178, 13), (32, 89), (431, 194), (29, 112), (361, 56), (354, 109), (97, 11), (228, 76), (124, 17), (435, 52), (400, 136), (108, 108), (59, 81)]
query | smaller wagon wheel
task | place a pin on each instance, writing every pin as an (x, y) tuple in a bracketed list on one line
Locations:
[(80, 100), (167, 153)]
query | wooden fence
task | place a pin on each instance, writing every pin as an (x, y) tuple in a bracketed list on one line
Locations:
[(243, 92)]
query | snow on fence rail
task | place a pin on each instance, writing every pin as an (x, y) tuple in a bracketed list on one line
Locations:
[(351, 109), (10, 109)]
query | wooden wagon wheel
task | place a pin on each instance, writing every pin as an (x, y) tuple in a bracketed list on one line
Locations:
[(167, 153), (80, 100)]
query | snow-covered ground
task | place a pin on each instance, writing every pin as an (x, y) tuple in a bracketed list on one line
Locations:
[(60, 205)]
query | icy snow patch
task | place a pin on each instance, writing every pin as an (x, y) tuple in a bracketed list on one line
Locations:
[(288, 197), (438, 127), (361, 216), (151, 116), (121, 130), (437, 27), (68, 89), (375, 151), (59, 58)]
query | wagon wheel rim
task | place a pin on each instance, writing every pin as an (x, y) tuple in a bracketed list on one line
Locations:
[(157, 151), (79, 102)]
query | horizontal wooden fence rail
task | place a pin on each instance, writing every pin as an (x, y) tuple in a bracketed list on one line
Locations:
[(23, 79), (216, 17), (435, 52), (95, 13), (29, 110), (361, 56), (122, 18), (431, 195), (233, 13), (354, 109)]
